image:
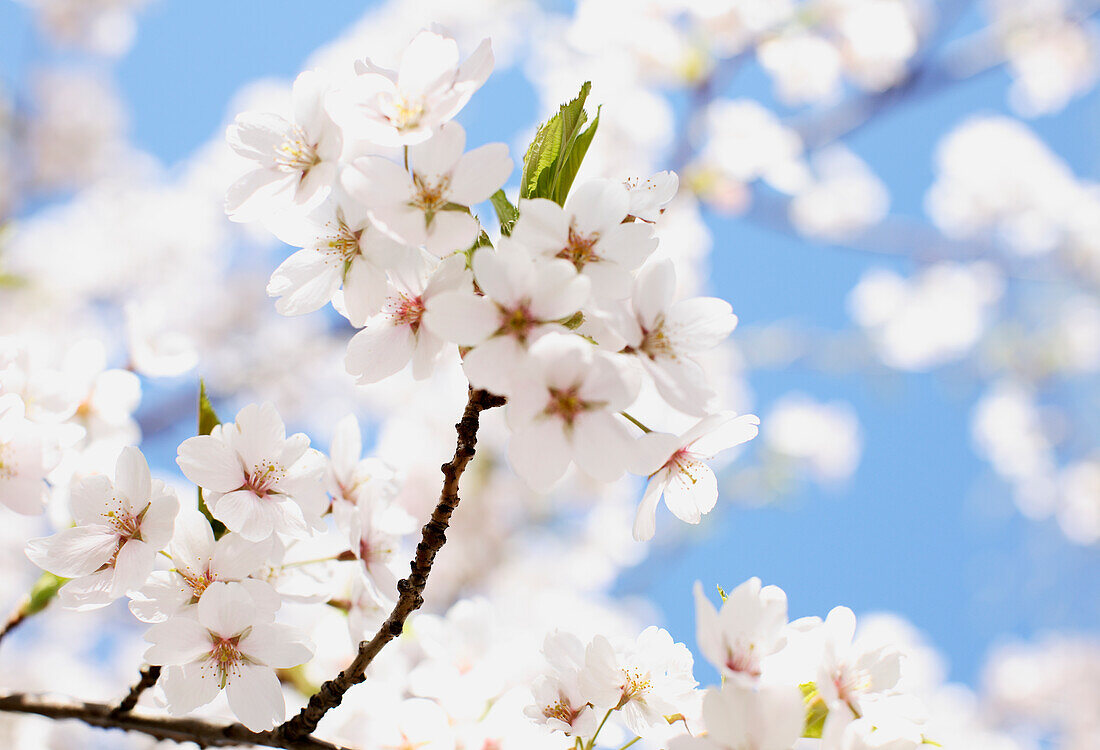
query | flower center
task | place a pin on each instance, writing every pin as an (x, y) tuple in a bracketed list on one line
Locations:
[(198, 584), (635, 686), (742, 659), (405, 114), (295, 153), (264, 478), (225, 656), (565, 404), (343, 244), (656, 342), (406, 311), (518, 322), (581, 248), (562, 710), (7, 461), (687, 466), (430, 196), (851, 683)]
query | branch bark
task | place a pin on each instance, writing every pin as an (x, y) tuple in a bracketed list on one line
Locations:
[(410, 589), (202, 733), (149, 677)]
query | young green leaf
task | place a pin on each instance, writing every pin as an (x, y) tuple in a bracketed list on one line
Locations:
[(573, 156), (506, 212), (549, 153), (208, 420)]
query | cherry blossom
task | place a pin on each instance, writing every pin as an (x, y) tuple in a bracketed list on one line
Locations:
[(589, 232), (255, 479), (667, 335), (748, 628), (230, 645), (406, 106), (198, 561), (738, 717), (650, 197), (428, 204), (120, 527), (850, 673), (23, 459), (351, 478), (397, 334), (563, 408), (374, 531), (647, 679), (342, 253), (296, 161), (522, 300), (560, 703), (677, 470)]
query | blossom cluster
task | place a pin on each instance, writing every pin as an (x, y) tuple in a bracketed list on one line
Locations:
[(781, 681), (571, 309), (567, 314)]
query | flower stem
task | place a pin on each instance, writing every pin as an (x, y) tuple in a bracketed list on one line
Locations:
[(636, 423), (592, 742)]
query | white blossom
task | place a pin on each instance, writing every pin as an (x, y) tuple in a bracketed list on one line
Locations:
[(522, 300), (589, 232), (560, 702), (749, 628), (398, 334), (666, 336), (738, 717), (406, 106), (296, 162), (677, 470), (563, 408), (120, 527), (428, 204), (229, 645), (23, 459), (342, 253), (647, 679), (198, 561), (255, 479)]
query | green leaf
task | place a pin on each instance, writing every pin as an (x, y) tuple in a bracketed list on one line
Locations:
[(816, 710), (573, 156), (42, 593), (208, 420), (550, 151), (506, 212)]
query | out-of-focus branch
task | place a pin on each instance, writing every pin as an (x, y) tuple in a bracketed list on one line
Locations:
[(149, 677), (410, 589)]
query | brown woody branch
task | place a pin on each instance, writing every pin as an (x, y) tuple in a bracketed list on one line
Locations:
[(410, 589), (295, 733), (202, 733), (149, 677)]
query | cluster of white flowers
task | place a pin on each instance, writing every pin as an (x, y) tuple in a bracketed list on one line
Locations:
[(564, 316), (781, 681), (584, 311)]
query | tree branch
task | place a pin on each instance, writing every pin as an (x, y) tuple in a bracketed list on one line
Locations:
[(149, 677), (202, 733), (410, 589)]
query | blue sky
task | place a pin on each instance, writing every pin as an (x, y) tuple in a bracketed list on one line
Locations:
[(922, 530)]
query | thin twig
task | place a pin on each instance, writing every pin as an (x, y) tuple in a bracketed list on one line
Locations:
[(16, 619), (410, 589), (149, 677), (202, 733)]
